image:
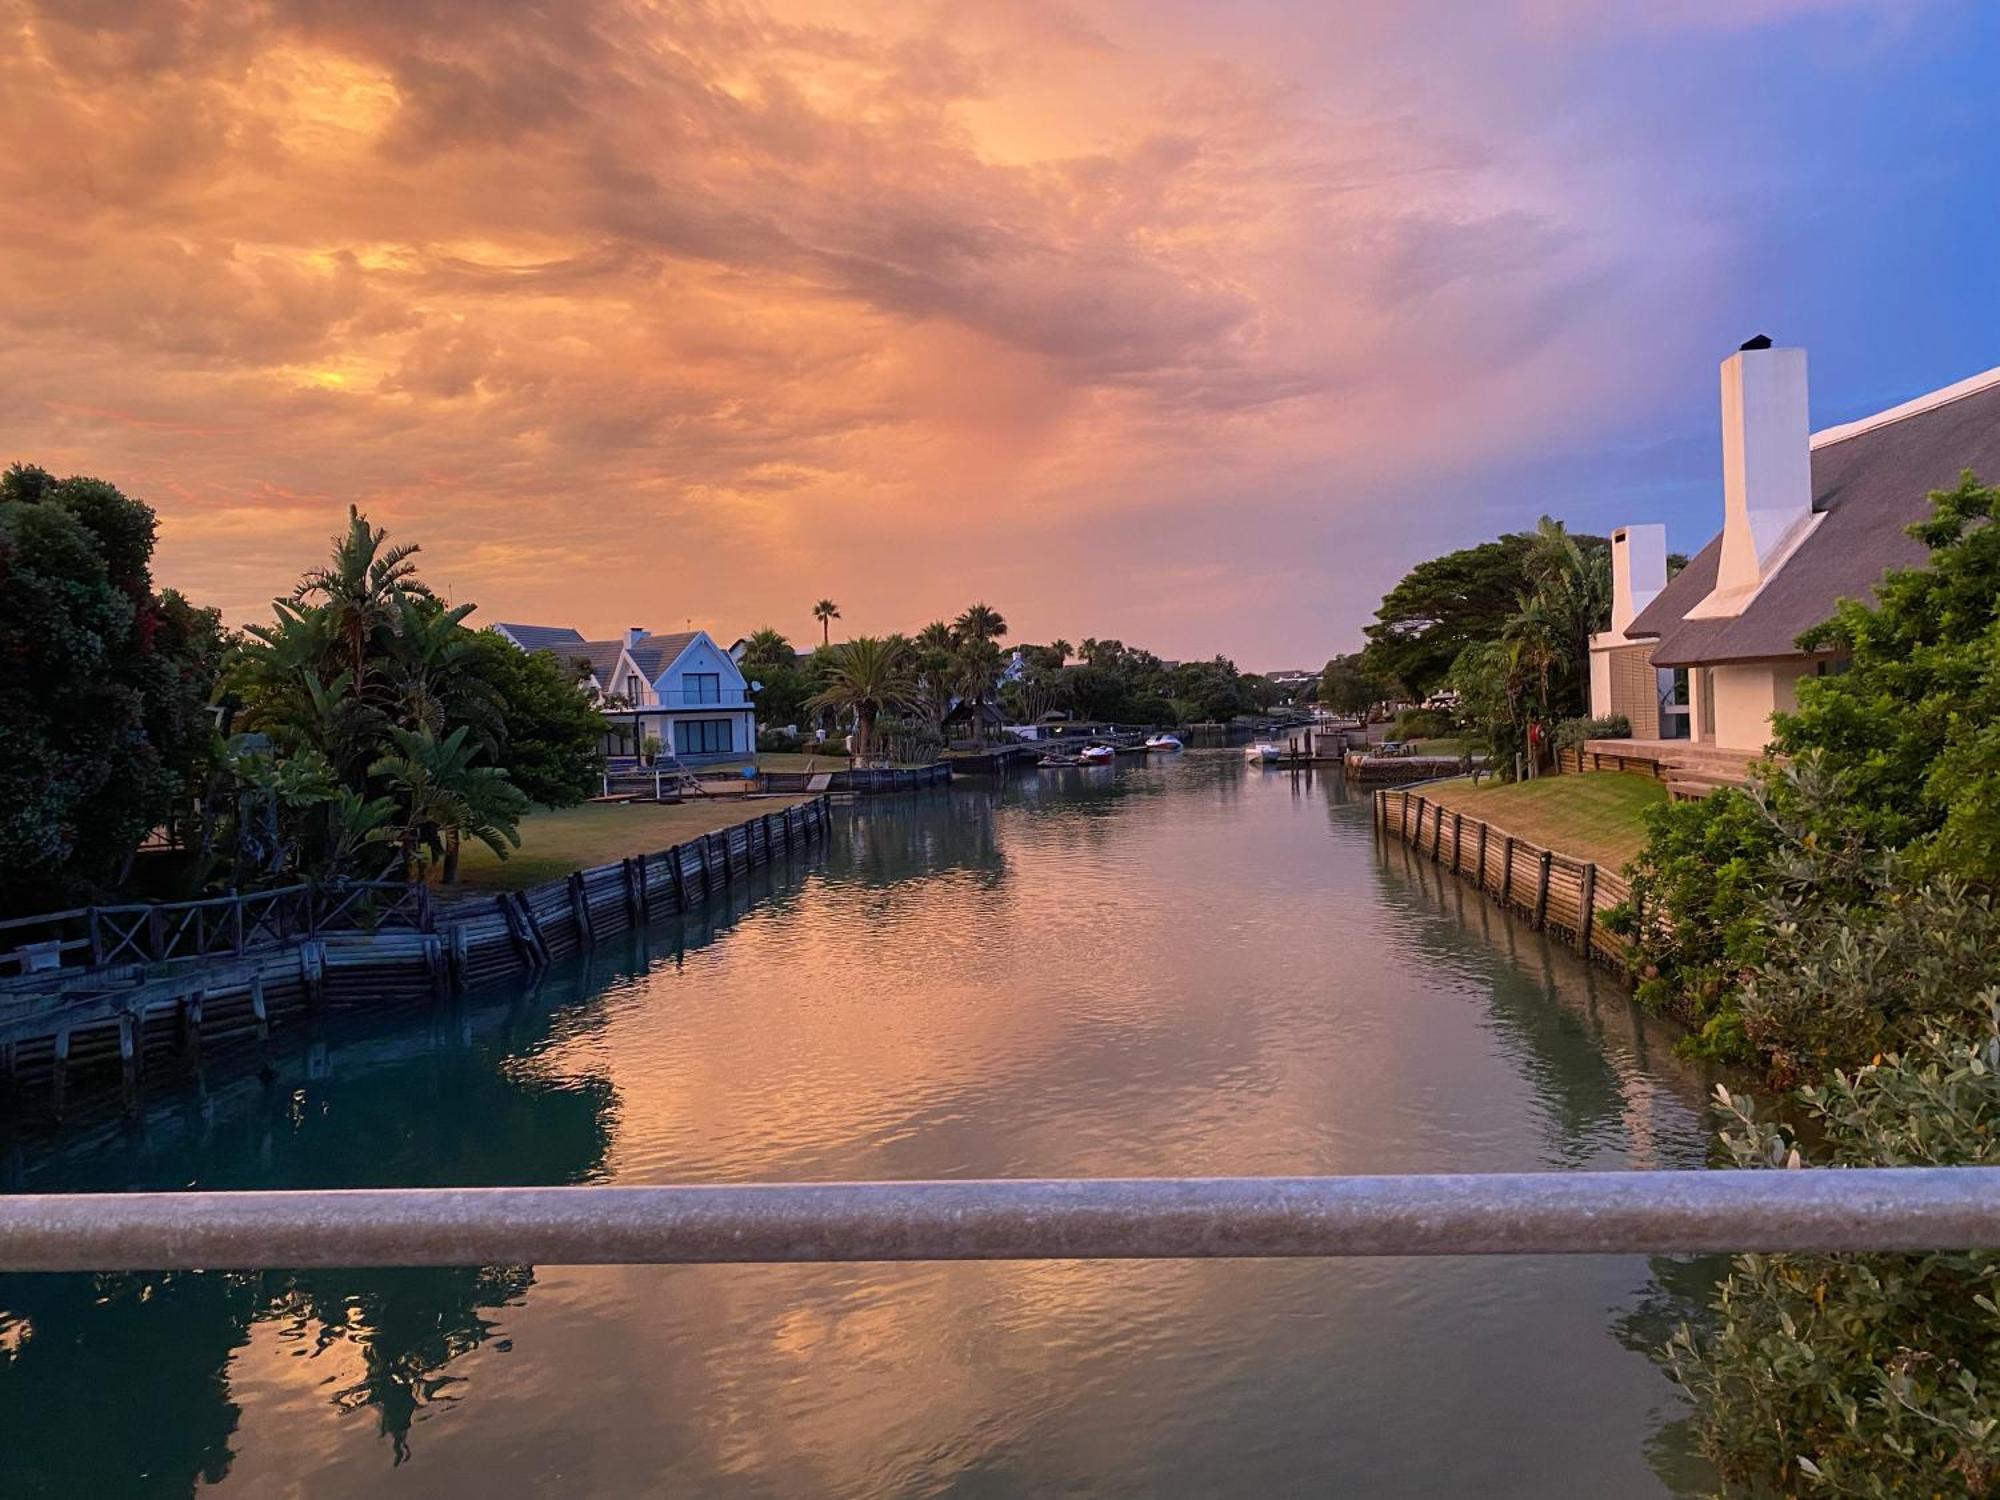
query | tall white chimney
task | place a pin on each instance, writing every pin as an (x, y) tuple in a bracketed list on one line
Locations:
[(1638, 572), (1766, 461)]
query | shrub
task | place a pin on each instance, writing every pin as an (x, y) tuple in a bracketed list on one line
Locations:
[(1423, 724), (1571, 733), (1865, 1375), (777, 742)]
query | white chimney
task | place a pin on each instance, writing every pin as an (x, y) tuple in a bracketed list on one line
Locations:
[(1638, 572), (634, 634), (1766, 461)]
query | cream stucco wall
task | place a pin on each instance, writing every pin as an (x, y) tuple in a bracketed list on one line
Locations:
[(1744, 699)]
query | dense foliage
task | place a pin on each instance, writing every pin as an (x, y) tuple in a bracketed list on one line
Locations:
[(1572, 733), (376, 730), (104, 685), (1348, 685), (1897, 752), (1862, 1375)]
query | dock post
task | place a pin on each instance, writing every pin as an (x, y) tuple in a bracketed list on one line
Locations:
[(1587, 909), (1507, 875), (1542, 891), (579, 905), (1457, 843)]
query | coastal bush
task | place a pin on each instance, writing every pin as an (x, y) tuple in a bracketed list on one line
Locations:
[(1860, 1375), (1571, 733), (777, 742), (1423, 724)]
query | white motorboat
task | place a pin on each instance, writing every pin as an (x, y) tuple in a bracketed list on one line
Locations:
[(1097, 755), (1264, 753), (1163, 742)]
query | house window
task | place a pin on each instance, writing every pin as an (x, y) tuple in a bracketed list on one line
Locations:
[(703, 687), (704, 737), (1674, 717), (633, 689)]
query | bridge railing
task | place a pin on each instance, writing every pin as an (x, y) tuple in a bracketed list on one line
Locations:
[(1551, 1213)]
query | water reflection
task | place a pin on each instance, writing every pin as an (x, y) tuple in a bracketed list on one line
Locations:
[(1192, 967)]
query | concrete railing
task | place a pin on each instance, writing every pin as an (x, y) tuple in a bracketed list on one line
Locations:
[(1548, 1213)]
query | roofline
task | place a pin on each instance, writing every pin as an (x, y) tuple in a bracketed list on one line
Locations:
[(1943, 396)]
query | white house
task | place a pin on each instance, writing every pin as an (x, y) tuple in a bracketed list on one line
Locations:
[(682, 689), (1809, 518)]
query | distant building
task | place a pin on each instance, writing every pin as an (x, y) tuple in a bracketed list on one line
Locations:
[(681, 688), (1809, 519)]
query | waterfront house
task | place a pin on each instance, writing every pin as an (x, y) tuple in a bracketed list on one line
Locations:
[(679, 688), (1699, 662)]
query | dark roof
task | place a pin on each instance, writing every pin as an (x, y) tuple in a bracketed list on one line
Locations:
[(603, 659), (655, 653), (1872, 485), (557, 638)]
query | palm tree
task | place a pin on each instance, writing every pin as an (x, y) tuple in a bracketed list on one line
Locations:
[(826, 612), (443, 797), (867, 677), (935, 654), (768, 645), (978, 669), (982, 622), (362, 588), (1062, 649)]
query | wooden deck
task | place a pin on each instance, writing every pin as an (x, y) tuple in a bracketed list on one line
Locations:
[(1689, 768)]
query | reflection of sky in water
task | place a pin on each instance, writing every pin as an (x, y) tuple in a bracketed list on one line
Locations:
[(1193, 968)]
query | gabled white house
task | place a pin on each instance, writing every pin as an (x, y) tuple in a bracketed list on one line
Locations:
[(682, 689)]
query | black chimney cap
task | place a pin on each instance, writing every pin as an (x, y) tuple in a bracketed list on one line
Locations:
[(1762, 341)]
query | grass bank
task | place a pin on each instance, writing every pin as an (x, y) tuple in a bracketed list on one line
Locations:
[(1597, 815), (553, 843)]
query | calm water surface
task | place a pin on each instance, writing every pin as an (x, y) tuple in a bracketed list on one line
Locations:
[(1189, 968)]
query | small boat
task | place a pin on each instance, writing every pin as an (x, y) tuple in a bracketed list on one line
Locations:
[(1264, 753), (1097, 755), (1162, 742), (1058, 762)]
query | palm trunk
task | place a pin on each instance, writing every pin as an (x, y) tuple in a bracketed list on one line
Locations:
[(451, 857)]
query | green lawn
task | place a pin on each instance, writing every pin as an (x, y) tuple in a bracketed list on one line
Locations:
[(600, 833), (1597, 815)]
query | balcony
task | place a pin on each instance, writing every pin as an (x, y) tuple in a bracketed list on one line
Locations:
[(724, 699)]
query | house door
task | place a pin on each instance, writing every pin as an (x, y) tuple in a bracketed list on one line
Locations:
[(1706, 677)]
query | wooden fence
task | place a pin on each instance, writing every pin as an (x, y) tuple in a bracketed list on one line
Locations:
[(215, 927), (276, 955), (1576, 758), (1551, 889)]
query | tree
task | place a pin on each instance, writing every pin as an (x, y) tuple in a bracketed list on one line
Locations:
[(551, 732), (981, 622), (826, 612), (104, 730), (1347, 685), (1062, 650), (976, 669), (868, 677), (1446, 604), (1442, 606), (767, 647), (443, 796), (362, 589)]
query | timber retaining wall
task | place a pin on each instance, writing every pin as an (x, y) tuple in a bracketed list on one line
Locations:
[(118, 1022), (1553, 890)]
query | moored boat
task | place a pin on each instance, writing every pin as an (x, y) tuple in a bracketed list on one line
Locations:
[(1164, 742), (1097, 755), (1264, 753)]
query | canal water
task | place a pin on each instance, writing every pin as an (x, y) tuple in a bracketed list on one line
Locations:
[(1194, 967)]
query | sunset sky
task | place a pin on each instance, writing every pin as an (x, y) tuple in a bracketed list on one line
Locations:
[(1187, 322)]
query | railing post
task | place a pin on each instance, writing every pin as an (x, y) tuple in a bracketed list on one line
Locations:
[(236, 916), (96, 938)]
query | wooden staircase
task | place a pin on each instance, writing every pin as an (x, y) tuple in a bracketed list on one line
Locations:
[(1692, 773)]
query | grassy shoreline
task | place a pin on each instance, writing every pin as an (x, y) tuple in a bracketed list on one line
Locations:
[(556, 842), (1594, 815)]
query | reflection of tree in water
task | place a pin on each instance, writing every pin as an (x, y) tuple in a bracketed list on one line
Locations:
[(889, 839), (1679, 1291), (120, 1384), (407, 1326)]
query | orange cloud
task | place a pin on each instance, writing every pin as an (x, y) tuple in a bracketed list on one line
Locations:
[(641, 312)]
